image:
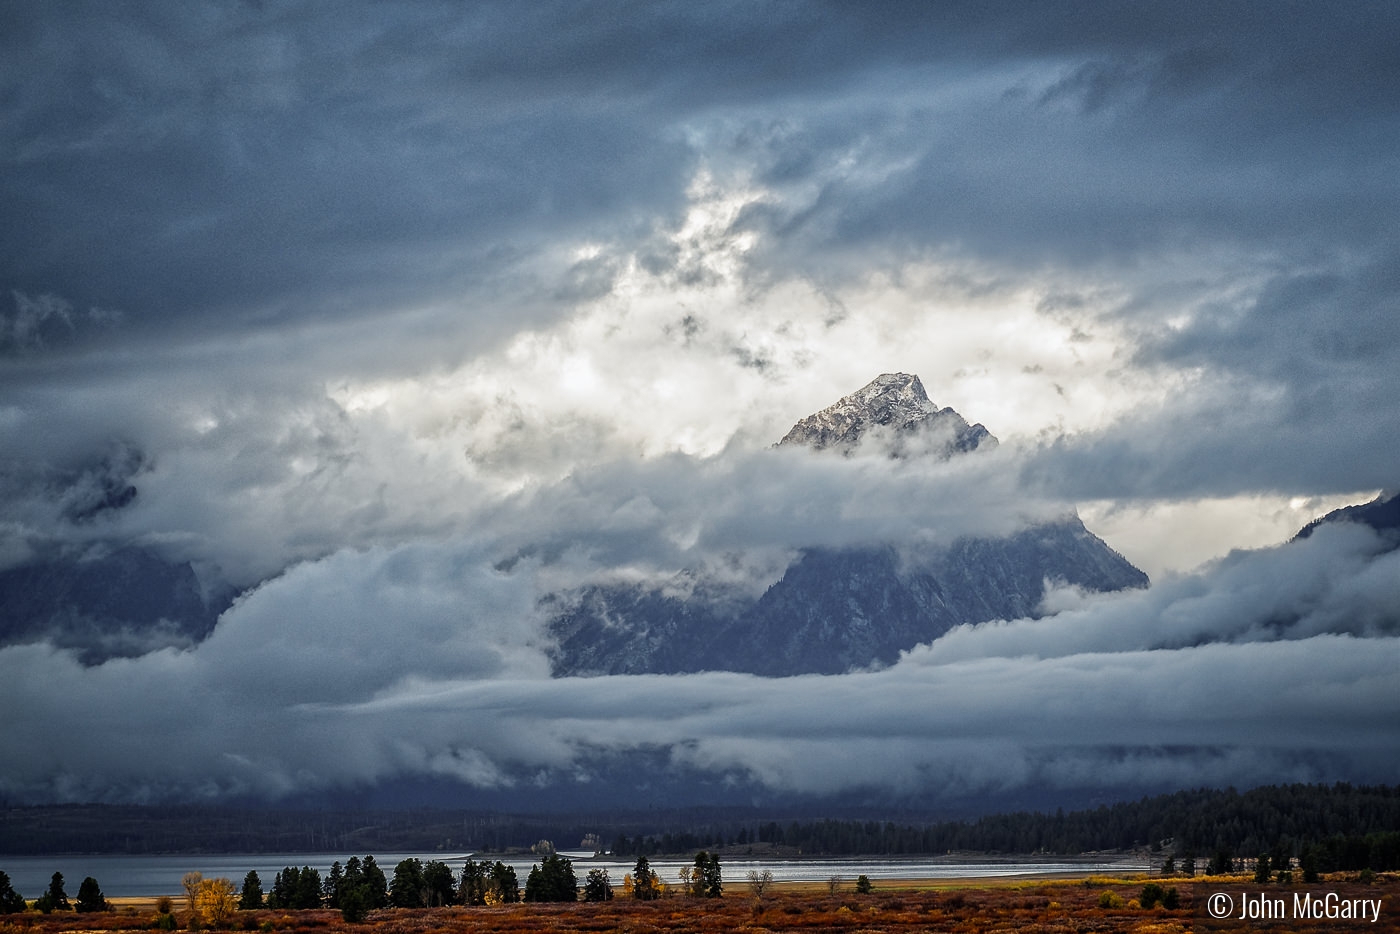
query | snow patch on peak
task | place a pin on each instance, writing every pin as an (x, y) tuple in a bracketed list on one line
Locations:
[(895, 407)]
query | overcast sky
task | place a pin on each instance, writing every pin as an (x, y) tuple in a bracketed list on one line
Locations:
[(363, 300)]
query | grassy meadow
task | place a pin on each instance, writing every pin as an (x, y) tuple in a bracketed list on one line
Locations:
[(1035, 906)]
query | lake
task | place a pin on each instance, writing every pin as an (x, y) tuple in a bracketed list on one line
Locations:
[(146, 876)]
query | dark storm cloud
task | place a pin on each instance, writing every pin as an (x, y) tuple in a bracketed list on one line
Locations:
[(1091, 133), (226, 168), (230, 167), (237, 165)]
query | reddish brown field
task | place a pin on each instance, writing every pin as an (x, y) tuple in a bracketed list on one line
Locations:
[(1041, 907)]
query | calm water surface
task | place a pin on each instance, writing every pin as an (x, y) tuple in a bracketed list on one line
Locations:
[(145, 876)]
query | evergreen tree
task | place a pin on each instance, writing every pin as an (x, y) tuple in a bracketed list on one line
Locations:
[(308, 889), (354, 872), (360, 889), (353, 878), (284, 887), (552, 880), (55, 899), (11, 902), (251, 898), (406, 891), (438, 886), (330, 888), (1281, 856), (354, 903), (707, 878), (1222, 863), (472, 889), (1309, 862), (376, 886), (597, 887), (645, 885), (90, 896), (535, 885), (294, 888), (1263, 872), (505, 884)]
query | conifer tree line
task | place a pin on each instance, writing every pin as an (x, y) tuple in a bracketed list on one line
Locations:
[(360, 886), (90, 897), (11, 901), (1347, 827), (1316, 828), (705, 877), (134, 830), (552, 880), (1200, 820)]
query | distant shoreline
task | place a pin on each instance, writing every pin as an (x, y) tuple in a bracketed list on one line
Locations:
[(736, 886), (143, 878)]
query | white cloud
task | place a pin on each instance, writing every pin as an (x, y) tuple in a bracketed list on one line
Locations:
[(423, 660), (1176, 535)]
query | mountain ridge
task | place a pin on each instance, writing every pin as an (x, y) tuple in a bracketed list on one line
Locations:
[(838, 609), (893, 401), (1381, 514), (110, 602)]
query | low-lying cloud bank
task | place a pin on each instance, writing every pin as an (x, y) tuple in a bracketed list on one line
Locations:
[(426, 661)]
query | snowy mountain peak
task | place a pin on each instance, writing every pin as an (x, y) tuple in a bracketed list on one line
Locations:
[(896, 405)]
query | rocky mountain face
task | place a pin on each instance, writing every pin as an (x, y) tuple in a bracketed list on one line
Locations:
[(833, 609), (838, 609), (124, 601), (106, 597), (1382, 514), (896, 406)]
